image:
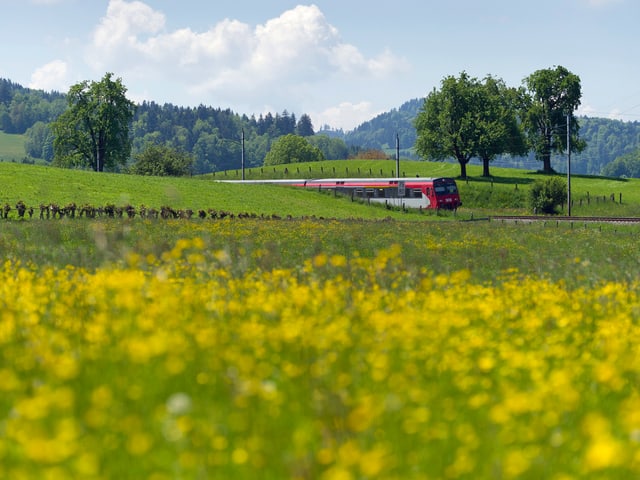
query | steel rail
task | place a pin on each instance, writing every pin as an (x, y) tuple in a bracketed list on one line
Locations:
[(563, 218)]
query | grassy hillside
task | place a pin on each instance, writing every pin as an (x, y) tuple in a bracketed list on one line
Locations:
[(11, 147), (505, 193), (38, 184)]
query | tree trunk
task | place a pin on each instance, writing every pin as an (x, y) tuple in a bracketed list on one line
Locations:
[(546, 163), (485, 167), (100, 158), (463, 168), (546, 156)]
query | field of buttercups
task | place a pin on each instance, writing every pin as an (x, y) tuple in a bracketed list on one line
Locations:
[(180, 365)]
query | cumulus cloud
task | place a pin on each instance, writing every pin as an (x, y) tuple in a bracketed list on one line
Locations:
[(348, 115), (52, 76), (287, 55)]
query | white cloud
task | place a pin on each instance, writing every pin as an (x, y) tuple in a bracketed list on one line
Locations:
[(346, 115), (120, 29), (52, 76), (286, 58)]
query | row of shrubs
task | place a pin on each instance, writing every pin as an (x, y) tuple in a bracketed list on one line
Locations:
[(71, 210)]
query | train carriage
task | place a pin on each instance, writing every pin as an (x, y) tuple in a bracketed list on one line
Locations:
[(425, 193)]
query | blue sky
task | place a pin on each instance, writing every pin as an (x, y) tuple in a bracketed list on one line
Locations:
[(341, 62)]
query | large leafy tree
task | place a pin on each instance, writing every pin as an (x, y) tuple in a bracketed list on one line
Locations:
[(468, 118), (499, 129), (554, 93), (94, 130), (292, 149), (447, 125)]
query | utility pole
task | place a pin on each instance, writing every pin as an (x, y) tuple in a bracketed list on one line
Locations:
[(243, 154), (397, 156), (569, 164)]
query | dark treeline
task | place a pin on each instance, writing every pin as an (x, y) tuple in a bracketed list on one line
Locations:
[(21, 108), (212, 136)]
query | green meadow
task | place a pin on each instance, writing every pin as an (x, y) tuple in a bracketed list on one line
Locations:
[(11, 147), (504, 193), (308, 222)]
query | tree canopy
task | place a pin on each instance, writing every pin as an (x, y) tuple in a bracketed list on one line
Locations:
[(498, 126), (448, 124), (292, 149), (304, 127), (94, 130), (554, 94), (331, 148), (162, 160)]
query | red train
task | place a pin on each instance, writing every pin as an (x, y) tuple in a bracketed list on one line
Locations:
[(431, 193)]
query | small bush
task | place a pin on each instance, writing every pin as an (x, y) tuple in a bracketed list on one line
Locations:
[(547, 195)]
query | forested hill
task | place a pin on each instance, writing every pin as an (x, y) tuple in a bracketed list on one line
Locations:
[(213, 135), (606, 139), (21, 108), (380, 132)]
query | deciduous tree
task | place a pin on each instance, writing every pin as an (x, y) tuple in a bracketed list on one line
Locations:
[(292, 149), (554, 93), (448, 123), (162, 160), (94, 130), (499, 129)]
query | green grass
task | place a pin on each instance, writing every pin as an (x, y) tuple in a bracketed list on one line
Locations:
[(505, 193), (11, 147), (35, 185)]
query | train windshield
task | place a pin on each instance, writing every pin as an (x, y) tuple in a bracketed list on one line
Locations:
[(446, 188)]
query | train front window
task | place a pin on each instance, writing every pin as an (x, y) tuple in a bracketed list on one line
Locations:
[(446, 189)]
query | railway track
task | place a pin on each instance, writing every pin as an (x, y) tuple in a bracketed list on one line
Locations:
[(539, 218)]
